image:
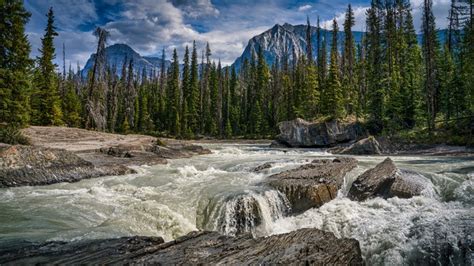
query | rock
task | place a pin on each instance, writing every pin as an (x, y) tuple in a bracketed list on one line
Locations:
[(301, 247), (313, 184), (386, 180), (99, 251), (262, 167), (30, 165), (367, 146), (276, 144), (178, 151), (300, 133)]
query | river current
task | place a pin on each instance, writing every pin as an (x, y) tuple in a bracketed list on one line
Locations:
[(220, 191)]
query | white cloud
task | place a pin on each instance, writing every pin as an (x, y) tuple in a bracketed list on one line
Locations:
[(440, 11), (196, 8), (359, 18), (304, 8)]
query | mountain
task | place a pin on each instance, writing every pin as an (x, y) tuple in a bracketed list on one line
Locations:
[(282, 39), (117, 54)]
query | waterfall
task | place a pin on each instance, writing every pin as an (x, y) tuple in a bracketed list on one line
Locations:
[(250, 211)]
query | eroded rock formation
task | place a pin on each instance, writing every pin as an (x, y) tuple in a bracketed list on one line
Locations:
[(313, 184), (301, 247)]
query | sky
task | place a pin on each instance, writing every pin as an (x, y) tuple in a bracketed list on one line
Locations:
[(148, 26)]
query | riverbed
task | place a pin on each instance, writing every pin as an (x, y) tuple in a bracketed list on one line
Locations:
[(202, 193)]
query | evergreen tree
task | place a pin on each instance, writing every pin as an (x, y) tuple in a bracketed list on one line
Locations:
[(173, 97), (309, 42), (348, 64), (186, 95), (430, 49), (410, 73), (14, 63), (374, 66), (334, 92), (193, 99)]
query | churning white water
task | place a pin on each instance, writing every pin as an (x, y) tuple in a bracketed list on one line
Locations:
[(221, 192)]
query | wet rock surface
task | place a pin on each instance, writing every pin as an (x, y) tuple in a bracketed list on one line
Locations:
[(29, 166), (386, 180), (367, 146), (62, 154), (304, 246), (313, 184), (301, 133)]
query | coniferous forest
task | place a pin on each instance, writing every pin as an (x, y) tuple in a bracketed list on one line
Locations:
[(389, 81)]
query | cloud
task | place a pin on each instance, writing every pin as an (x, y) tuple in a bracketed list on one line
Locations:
[(440, 11), (359, 18), (304, 8), (196, 8)]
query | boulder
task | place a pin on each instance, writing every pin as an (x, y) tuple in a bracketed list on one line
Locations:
[(31, 165), (386, 180), (367, 146), (262, 167), (313, 184), (301, 247), (300, 133)]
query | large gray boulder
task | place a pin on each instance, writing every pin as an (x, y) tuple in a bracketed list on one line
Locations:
[(301, 247), (386, 180), (367, 146), (32, 165), (313, 184), (300, 133)]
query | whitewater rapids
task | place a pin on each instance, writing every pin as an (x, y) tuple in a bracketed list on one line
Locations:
[(221, 192)]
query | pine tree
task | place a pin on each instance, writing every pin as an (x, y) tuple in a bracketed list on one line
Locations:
[(374, 66), (334, 91), (348, 64), (430, 49), (186, 95), (193, 99), (410, 73), (234, 109), (173, 97), (14, 63), (71, 103), (309, 43)]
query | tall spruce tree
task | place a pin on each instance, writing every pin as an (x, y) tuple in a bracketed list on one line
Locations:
[(173, 97), (348, 64), (334, 91), (14, 63), (374, 66), (193, 99), (430, 53)]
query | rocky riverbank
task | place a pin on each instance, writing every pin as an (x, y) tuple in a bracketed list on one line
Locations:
[(352, 138), (304, 246), (60, 154)]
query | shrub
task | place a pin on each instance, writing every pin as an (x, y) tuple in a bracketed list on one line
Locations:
[(12, 135)]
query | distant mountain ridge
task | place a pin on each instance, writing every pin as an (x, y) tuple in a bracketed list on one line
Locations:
[(117, 54), (275, 42)]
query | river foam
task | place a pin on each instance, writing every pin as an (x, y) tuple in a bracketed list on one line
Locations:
[(221, 192)]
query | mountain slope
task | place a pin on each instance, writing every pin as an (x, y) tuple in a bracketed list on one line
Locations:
[(284, 39), (117, 54)]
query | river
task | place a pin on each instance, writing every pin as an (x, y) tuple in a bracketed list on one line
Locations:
[(216, 192)]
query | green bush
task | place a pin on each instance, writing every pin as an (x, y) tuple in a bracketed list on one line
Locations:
[(12, 135)]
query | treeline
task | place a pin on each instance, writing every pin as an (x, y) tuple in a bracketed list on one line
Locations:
[(387, 80)]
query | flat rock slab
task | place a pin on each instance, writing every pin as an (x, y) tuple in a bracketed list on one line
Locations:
[(386, 180), (31, 165), (367, 146), (301, 247), (313, 184)]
